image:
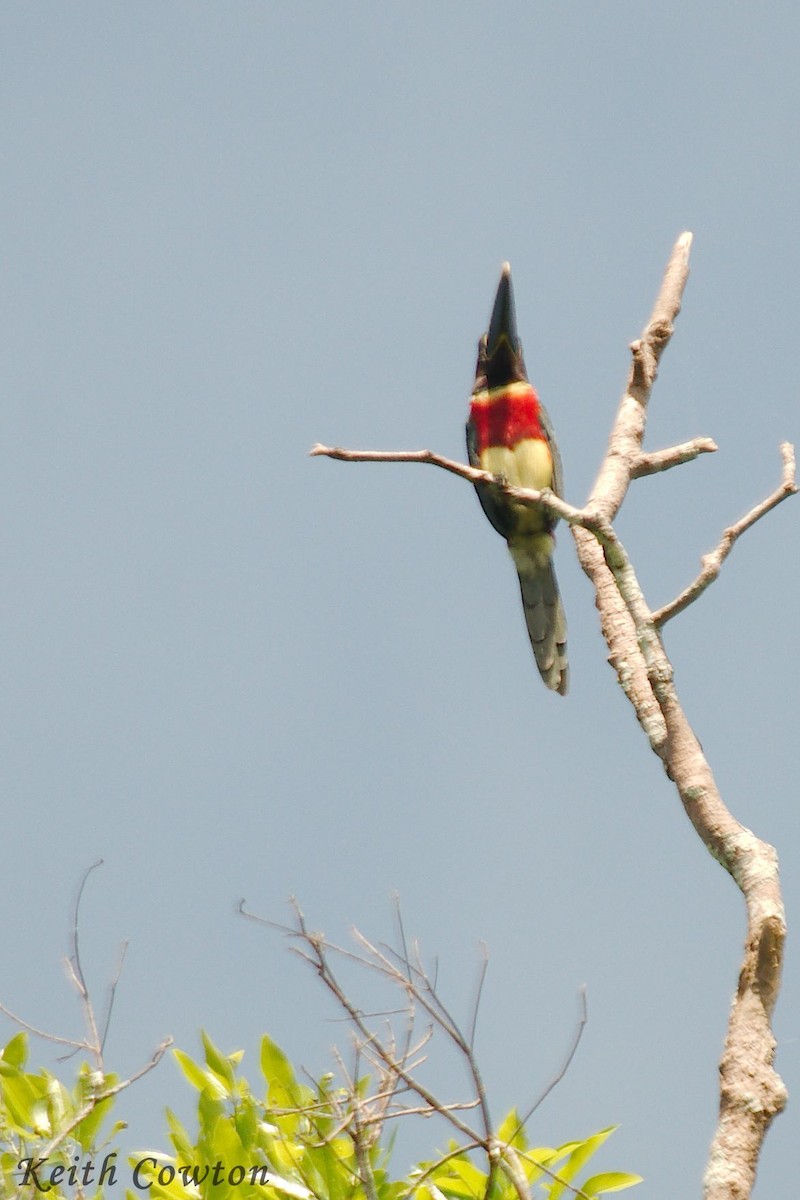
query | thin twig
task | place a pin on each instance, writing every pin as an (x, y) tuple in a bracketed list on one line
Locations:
[(565, 1066), (582, 1022), (426, 995), (433, 1004), (74, 970), (93, 1040), (478, 993), (712, 563), (42, 1033), (418, 456), (427, 1111), (398, 916), (112, 992)]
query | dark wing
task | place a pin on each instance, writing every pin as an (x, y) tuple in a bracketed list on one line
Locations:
[(547, 429)]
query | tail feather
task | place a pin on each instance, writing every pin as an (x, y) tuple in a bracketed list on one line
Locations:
[(544, 617)]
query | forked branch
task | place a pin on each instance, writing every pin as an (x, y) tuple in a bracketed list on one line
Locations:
[(751, 1092), (712, 563)]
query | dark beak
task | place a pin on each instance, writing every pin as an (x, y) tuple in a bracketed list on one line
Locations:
[(503, 324), (503, 362)]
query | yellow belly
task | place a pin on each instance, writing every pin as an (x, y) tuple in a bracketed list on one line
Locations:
[(526, 465)]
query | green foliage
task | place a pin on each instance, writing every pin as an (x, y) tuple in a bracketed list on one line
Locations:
[(287, 1140), (545, 1171), (326, 1143), (40, 1116)]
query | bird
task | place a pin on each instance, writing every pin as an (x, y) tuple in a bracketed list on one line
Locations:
[(510, 435)]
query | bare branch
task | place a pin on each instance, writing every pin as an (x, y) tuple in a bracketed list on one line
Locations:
[(590, 519), (93, 1040), (625, 442), (559, 507), (364, 1116), (425, 994), (712, 563), (318, 957), (92, 1044), (105, 1094), (425, 1111), (398, 916), (674, 456), (100, 1092), (428, 997), (567, 1063), (112, 992), (399, 1068)]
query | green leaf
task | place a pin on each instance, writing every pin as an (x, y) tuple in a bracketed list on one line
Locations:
[(471, 1174), (15, 1052), (609, 1181), (456, 1187), (172, 1190), (535, 1159), (210, 1110), (85, 1134), (275, 1066), (226, 1143), (217, 1062), (21, 1094), (511, 1131), (246, 1119), (195, 1074), (325, 1172), (59, 1102), (578, 1157), (460, 1177), (198, 1077), (179, 1137), (286, 1187)]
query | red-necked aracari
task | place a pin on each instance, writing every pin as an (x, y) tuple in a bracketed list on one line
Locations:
[(509, 434)]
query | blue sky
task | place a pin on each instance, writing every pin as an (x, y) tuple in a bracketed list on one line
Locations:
[(231, 670)]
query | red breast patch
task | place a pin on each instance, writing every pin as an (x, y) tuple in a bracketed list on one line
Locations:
[(506, 416)]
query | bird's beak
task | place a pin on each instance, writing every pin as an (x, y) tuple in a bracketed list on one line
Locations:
[(503, 325), (503, 362)]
